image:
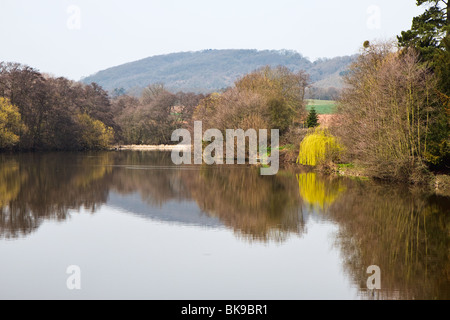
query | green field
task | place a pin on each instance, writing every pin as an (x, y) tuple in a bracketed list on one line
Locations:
[(322, 106)]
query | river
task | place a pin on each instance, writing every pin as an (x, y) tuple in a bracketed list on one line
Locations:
[(131, 225)]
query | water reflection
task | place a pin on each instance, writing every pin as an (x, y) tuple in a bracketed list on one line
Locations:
[(256, 207), (319, 192), (48, 186), (405, 233), (37, 187)]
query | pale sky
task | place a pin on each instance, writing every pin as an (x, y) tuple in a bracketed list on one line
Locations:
[(76, 38)]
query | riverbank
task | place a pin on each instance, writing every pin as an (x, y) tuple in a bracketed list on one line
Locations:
[(437, 183), (440, 183), (161, 147)]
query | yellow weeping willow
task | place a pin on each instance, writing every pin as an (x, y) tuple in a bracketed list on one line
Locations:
[(318, 146)]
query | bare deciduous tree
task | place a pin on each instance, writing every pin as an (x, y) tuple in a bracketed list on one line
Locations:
[(385, 111)]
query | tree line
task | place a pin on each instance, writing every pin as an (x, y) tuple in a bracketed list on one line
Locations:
[(396, 111), (393, 117), (39, 112)]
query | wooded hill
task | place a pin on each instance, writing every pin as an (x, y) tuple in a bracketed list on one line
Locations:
[(211, 70)]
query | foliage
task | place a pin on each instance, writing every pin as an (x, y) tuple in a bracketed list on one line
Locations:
[(281, 115), (152, 118), (94, 134), (387, 111), (269, 98), (438, 153), (429, 34), (49, 107), (313, 119), (318, 147), (283, 92), (11, 125), (442, 66), (428, 29)]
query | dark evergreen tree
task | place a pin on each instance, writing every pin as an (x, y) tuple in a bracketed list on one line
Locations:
[(428, 29), (430, 35), (313, 119)]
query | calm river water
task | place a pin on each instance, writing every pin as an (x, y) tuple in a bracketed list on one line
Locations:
[(130, 225)]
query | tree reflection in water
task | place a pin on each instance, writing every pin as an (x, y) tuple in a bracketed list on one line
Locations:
[(319, 192), (47, 186), (405, 233)]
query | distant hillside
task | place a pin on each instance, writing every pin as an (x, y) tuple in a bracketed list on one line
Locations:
[(210, 70)]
